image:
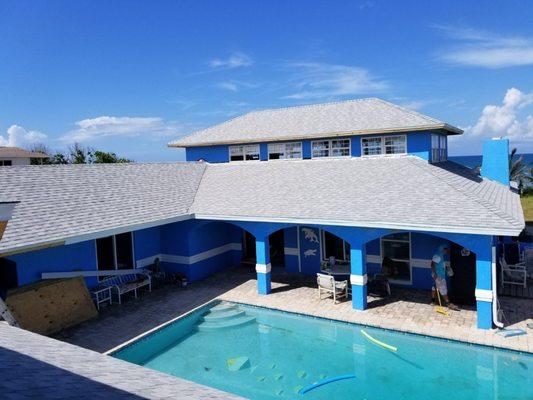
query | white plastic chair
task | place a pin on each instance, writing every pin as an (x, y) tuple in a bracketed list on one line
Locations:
[(515, 274), (327, 283)]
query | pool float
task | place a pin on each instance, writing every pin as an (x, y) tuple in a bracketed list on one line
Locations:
[(379, 343), (325, 382)]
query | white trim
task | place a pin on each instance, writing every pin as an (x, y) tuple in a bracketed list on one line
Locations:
[(189, 260), (373, 259), (366, 224), (263, 268), (73, 274), (421, 263), (330, 148), (291, 251), (359, 280), (484, 295)]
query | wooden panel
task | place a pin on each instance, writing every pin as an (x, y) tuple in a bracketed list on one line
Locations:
[(3, 225), (47, 307)]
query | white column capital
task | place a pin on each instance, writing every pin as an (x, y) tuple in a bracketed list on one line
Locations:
[(484, 295), (263, 268), (358, 280)]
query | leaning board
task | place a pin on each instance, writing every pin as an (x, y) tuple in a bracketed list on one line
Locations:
[(47, 307)]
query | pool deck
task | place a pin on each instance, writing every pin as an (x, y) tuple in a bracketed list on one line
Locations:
[(405, 310)]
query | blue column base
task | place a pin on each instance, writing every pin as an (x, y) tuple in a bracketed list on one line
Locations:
[(263, 283), (359, 297), (484, 314)]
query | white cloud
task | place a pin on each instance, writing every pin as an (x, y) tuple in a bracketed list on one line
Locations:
[(17, 136), (320, 80), (105, 126), (505, 119), (487, 49), (235, 60)]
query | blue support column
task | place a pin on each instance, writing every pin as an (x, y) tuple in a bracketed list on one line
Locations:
[(263, 267), (358, 277), (484, 287)]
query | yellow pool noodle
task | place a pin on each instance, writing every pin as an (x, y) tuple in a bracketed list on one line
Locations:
[(379, 343)]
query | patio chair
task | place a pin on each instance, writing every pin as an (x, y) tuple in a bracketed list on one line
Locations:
[(511, 253), (327, 283), (528, 255), (513, 274)]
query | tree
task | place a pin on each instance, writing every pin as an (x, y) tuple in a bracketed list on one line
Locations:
[(103, 157), (78, 154), (519, 171)]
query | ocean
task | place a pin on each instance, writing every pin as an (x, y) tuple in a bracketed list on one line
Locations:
[(475, 161)]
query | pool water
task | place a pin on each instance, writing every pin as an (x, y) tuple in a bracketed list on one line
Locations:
[(266, 354)]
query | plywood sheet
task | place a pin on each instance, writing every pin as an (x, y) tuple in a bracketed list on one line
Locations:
[(47, 307)]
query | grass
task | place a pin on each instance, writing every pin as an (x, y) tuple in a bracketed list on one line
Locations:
[(527, 205)]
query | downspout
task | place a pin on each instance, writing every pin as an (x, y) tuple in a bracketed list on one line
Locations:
[(494, 291)]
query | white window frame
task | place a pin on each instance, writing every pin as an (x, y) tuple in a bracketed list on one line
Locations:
[(323, 247), (443, 147), (114, 240), (284, 144), (245, 151), (383, 138), (435, 145), (329, 150), (401, 282)]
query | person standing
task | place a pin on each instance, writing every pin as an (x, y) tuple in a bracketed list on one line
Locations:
[(438, 274)]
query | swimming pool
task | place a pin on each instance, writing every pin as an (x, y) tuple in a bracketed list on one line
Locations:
[(261, 353)]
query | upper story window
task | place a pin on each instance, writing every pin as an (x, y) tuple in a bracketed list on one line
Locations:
[(284, 151), (331, 148), (439, 144), (6, 163), (383, 145), (249, 152)]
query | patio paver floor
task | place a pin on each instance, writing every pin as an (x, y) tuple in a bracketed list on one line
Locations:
[(405, 310)]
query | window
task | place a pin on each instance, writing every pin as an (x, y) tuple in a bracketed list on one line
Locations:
[(443, 146), (248, 152), (334, 246), (439, 144), (115, 252), (6, 163), (396, 257), (383, 145), (284, 151), (331, 148)]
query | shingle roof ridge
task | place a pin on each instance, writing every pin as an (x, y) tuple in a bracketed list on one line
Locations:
[(314, 105), (468, 194)]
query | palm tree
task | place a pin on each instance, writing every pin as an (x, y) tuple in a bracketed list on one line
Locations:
[(519, 171)]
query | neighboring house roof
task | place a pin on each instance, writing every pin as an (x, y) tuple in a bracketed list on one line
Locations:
[(17, 152), (71, 203), (77, 202), (353, 117)]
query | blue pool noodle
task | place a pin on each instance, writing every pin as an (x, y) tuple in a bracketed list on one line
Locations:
[(325, 382)]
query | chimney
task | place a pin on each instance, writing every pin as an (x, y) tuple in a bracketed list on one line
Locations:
[(495, 163), (6, 211)]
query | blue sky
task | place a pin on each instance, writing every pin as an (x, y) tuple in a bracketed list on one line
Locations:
[(129, 76)]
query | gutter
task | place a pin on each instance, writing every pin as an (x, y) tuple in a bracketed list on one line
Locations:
[(494, 291)]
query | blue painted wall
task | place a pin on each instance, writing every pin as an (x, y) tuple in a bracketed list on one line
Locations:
[(418, 144), (78, 256), (495, 164), (290, 238)]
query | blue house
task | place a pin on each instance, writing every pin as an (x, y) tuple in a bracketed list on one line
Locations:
[(337, 186)]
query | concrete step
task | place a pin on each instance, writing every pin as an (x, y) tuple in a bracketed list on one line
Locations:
[(221, 315), (225, 324), (224, 307)]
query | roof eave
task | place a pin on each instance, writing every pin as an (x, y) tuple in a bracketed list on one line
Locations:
[(503, 231), (450, 130)]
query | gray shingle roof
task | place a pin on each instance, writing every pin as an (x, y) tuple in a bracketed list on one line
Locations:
[(58, 202), (401, 192), (74, 203), (351, 117)]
